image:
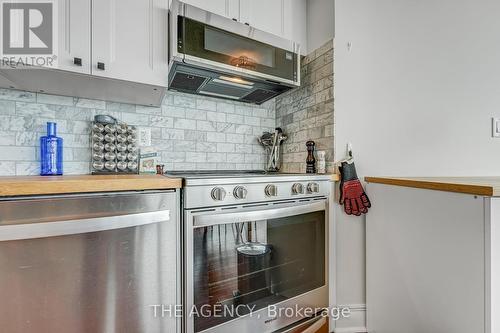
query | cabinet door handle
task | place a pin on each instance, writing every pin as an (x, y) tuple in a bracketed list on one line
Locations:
[(100, 65), (246, 23), (77, 61), (235, 20)]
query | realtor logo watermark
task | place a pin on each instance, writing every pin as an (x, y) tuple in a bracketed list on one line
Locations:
[(270, 313), (28, 33)]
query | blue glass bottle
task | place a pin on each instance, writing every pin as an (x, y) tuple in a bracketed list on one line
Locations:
[(51, 149)]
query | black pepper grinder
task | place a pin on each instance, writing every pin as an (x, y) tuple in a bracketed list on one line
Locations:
[(310, 160)]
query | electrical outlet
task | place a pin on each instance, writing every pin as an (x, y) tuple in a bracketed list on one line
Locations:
[(144, 136), (495, 127)]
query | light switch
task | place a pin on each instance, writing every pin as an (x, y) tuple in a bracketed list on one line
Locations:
[(144, 136)]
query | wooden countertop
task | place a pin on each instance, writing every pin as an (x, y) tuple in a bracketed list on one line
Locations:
[(38, 185), (484, 186)]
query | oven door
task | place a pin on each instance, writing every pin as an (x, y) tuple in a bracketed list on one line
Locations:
[(244, 264)]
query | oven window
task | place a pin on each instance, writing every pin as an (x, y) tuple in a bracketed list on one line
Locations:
[(254, 264)]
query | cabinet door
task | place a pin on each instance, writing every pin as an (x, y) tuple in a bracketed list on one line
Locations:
[(295, 23), (74, 36), (129, 40), (214, 6), (6, 83), (233, 9), (265, 15), (428, 248)]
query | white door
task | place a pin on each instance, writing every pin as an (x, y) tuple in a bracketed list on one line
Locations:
[(265, 15), (129, 40), (214, 6), (74, 36)]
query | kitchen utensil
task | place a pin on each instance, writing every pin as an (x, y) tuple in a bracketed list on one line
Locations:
[(272, 143), (352, 194)]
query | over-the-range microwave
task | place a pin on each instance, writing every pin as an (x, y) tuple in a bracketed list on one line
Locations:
[(215, 56)]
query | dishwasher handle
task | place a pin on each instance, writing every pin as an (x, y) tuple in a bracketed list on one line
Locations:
[(79, 226)]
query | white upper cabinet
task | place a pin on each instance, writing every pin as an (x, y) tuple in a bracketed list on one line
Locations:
[(295, 23), (226, 8), (74, 36), (265, 15), (284, 18), (129, 40), (214, 6), (73, 43), (6, 83), (233, 9)]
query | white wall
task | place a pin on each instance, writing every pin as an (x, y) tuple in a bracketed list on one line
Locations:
[(320, 25), (414, 96)]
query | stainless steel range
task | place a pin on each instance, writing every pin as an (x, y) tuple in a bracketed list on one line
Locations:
[(255, 250)]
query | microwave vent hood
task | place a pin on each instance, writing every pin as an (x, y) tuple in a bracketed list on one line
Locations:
[(214, 56)]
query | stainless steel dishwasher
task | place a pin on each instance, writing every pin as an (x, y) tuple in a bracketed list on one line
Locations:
[(89, 263)]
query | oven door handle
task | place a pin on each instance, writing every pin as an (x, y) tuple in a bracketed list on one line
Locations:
[(257, 215)]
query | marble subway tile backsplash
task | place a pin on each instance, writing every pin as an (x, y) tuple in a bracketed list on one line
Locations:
[(190, 132), (306, 113)]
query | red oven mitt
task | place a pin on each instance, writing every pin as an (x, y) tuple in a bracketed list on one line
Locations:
[(352, 194)]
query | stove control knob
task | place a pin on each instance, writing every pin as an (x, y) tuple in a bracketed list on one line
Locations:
[(218, 193), (271, 190), (240, 192), (313, 187), (297, 188)]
